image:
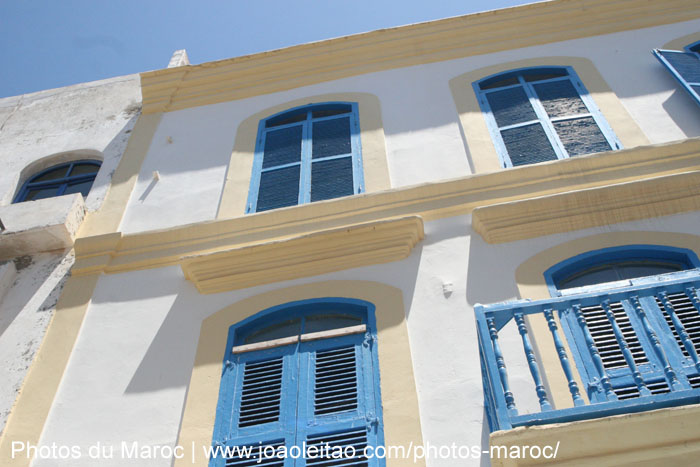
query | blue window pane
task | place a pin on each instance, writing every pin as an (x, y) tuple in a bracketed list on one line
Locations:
[(287, 118), (331, 137), (51, 175), (40, 193), (581, 136), (560, 98), (499, 82), (279, 188), (288, 328), (282, 146), (686, 64), (331, 179), (82, 187), (542, 74), (83, 169), (528, 145), (510, 106)]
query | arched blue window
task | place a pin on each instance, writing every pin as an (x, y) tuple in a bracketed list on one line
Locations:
[(306, 154), (542, 114), (300, 374), (684, 66), (63, 179), (614, 266)]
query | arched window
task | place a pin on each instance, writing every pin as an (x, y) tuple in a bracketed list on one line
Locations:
[(62, 179), (300, 374), (306, 154), (542, 114), (615, 267), (684, 66)]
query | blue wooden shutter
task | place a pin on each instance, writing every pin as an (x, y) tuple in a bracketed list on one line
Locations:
[(684, 66), (339, 399)]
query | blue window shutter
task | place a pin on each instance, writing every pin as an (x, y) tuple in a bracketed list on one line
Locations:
[(684, 66), (307, 154), (542, 114)]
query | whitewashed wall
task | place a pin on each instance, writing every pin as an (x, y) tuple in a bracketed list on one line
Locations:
[(128, 374)]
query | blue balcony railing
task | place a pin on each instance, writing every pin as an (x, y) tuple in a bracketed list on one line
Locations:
[(635, 349)]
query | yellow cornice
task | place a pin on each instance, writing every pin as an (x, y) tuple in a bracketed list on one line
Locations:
[(118, 252), (624, 202), (304, 255), (481, 33)]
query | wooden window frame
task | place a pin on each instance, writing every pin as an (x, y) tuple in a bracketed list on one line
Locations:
[(59, 184), (693, 49)]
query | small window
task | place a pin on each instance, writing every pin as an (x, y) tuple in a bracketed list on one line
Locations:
[(63, 179), (542, 114), (304, 373), (684, 66), (616, 267), (307, 154)]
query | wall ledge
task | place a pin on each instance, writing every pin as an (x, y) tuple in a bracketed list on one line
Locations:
[(302, 256)]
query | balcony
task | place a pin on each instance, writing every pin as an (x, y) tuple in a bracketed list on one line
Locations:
[(621, 352)]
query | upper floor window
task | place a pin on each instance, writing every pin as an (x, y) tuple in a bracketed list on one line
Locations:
[(306, 154), (684, 66), (304, 373), (62, 179), (542, 114), (617, 267)]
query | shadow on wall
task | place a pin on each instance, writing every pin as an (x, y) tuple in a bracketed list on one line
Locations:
[(169, 360), (486, 281), (683, 110)]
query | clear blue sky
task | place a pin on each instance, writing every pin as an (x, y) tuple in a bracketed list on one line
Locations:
[(51, 43)]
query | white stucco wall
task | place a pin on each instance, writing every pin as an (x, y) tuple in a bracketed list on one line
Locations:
[(88, 120), (191, 148), (128, 374)]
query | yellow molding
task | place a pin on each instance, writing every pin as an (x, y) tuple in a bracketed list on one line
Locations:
[(481, 33), (518, 220), (658, 437), (303, 256), (117, 252)]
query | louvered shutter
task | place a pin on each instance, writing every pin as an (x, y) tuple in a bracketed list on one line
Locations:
[(684, 66), (337, 400), (610, 351), (261, 409)]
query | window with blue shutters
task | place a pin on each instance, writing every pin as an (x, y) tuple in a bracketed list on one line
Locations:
[(301, 376), (542, 114), (684, 66), (62, 179), (306, 154)]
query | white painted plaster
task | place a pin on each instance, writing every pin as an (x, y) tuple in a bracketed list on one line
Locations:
[(8, 272), (25, 311), (88, 120), (42, 225)]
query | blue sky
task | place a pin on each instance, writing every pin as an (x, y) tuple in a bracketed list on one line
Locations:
[(52, 43)]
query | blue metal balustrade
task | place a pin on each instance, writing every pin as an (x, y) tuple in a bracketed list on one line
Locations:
[(634, 349)]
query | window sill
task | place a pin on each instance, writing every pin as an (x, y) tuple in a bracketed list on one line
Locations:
[(43, 225)]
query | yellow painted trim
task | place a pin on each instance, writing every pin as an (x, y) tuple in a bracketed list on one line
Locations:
[(399, 398), (531, 284), (482, 151), (118, 252), (109, 216), (304, 256), (658, 437), (40, 386), (481, 33), (375, 166), (546, 215), (678, 44)]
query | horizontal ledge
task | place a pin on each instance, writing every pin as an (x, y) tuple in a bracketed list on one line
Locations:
[(311, 336)]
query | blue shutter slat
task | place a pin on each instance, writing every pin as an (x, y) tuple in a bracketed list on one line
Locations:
[(282, 146), (689, 317), (581, 136), (528, 145), (356, 438), (331, 137), (335, 385), (560, 98), (279, 188), (261, 393), (684, 66), (510, 106), (331, 178)]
